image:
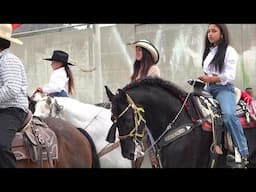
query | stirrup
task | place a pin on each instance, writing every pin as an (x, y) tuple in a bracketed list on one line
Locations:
[(230, 161)]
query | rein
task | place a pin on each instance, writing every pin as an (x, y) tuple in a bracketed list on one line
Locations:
[(58, 107), (108, 148), (90, 122), (138, 118), (169, 126)]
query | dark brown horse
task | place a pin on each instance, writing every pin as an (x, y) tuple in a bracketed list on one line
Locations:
[(75, 148)]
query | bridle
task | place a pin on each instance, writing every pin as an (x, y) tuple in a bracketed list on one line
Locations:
[(138, 119)]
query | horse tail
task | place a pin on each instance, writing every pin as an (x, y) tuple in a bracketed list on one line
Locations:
[(95, 157)]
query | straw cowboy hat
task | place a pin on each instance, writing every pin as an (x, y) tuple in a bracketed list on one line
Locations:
[(148, 46), (6, 33), (60, 56)]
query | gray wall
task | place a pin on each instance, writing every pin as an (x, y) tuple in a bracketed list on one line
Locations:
[(180, 47)]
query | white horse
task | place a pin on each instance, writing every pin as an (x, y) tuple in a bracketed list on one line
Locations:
[(95, 120)]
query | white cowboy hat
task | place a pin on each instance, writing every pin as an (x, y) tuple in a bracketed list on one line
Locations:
[(148, 46), (6, 33)]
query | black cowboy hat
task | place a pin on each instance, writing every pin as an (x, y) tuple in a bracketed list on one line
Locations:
[(60, 56)]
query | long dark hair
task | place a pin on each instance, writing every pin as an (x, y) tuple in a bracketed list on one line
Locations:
[(143, 65), (71, 84), (218, 61)]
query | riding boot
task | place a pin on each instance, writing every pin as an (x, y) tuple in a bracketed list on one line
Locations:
[(245, 161), (236, 161)]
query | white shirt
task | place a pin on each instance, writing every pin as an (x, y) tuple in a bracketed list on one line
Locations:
[(58, 81), (229, 69)]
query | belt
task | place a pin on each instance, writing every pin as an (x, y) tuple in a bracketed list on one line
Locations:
[(219, 83)]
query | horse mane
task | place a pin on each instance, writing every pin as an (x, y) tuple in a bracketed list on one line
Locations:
[(170, 87)]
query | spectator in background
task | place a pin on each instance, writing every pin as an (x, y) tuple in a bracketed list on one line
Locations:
[(249, 90), (247, 96), (61, 82), (146, 59)]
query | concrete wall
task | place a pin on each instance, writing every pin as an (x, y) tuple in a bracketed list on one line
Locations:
[(180, 47), (76, 43)]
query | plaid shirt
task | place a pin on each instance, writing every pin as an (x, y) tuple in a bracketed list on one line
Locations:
[(13, 82)]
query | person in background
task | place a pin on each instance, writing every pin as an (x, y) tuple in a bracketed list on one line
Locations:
[(146, 59), (219, 67), (147, 56), (61, 83), (249, 90), (13, 96), (247, 95)]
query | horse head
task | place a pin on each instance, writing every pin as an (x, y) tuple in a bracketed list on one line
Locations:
[(36, 96), (47, 106), (161, 109), (129, 119)]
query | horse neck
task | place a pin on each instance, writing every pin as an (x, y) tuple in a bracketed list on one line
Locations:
[(160, 106), (77, 109), (96, 120)]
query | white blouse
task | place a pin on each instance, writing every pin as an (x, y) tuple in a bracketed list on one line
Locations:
[(58, 81), (229, 69)]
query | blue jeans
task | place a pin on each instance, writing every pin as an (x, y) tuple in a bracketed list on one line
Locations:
[(59, 94), (225, 95)]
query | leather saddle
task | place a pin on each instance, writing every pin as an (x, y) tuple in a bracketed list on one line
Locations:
[(35, 141), (206, 105)]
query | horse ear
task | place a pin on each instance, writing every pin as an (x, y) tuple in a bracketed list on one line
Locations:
[(109, 93), (48, 100), (122, 93)]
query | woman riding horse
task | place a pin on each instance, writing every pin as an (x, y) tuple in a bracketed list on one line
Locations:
[(177, 135)]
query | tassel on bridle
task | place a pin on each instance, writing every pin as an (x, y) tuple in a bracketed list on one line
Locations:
[(111, 137)]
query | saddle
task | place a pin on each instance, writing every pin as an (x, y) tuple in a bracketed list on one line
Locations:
[(208, 110), (35, 141), (205, 104)]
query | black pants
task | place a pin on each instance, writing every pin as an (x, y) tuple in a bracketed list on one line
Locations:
[(11, 120)]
